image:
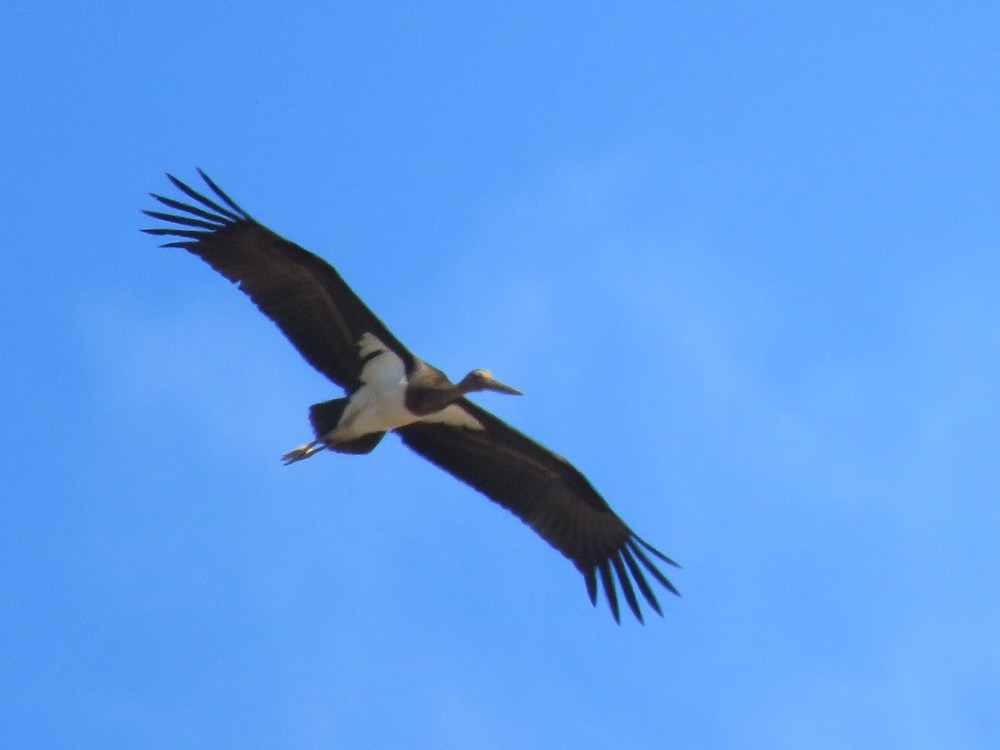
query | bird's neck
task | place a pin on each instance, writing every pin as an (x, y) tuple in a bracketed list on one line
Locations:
[(424, 401)]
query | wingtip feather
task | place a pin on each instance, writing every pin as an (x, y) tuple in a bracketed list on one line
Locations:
[(626, 585), (648, 564), (655, 551), (591, 580), (609, 590), (205, 201), (640, 580), (221, 193)]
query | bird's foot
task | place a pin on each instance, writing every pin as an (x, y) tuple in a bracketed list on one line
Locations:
[(303, 451)]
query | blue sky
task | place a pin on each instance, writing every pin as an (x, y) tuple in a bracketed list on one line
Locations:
[(741, 257)]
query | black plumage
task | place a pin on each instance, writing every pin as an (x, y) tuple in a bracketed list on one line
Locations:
[(323, 318)]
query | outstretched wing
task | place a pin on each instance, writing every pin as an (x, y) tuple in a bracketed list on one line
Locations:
[(548, 494), (299, 291)]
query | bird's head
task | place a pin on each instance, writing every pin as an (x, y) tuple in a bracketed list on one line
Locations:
[(483, 380)]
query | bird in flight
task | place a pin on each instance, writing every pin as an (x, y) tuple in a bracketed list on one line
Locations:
[(389, 389)]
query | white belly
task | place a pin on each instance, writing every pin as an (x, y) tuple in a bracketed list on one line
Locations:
[(378, 405), (374, 408)]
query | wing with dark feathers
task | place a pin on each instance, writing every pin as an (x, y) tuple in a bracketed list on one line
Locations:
[(299, 291), (551, 496)]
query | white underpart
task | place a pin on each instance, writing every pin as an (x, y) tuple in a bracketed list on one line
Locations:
[(454, 416), (377, 406)]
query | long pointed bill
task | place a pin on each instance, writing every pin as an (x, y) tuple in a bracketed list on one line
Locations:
[(495, 385)]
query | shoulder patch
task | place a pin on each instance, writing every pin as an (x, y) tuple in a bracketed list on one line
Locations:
[(380, 362)]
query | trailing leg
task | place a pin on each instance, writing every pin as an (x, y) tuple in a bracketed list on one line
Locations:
[(303, 451)]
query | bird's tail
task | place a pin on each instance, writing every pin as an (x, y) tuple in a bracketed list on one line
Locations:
[(326, 416)]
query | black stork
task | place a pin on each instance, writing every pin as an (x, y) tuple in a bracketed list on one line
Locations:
[(390, 389)]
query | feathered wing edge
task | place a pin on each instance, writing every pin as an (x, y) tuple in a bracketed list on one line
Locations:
[(299, 291), (509, 468), (206, 223), (627, 570)]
